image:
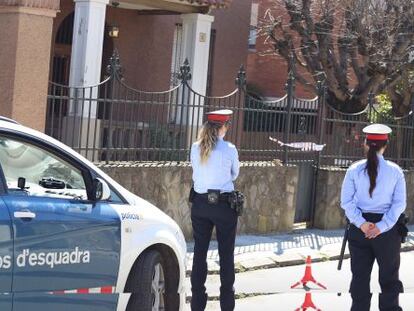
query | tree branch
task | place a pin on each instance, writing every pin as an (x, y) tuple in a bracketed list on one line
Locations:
[(369, 38)]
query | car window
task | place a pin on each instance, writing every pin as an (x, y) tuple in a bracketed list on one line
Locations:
[(30, 170), (115, 197)]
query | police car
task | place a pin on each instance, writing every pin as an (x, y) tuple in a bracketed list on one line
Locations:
[(73, 239)]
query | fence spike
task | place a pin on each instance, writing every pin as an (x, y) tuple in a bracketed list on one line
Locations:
[(321, 83), (114, 67), (185, 71), (241, 79)]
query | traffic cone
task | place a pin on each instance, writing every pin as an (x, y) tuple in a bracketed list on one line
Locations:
[(308, 277), (308, 303)]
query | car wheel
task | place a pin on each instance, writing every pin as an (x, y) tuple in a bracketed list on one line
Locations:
[(147, 284)]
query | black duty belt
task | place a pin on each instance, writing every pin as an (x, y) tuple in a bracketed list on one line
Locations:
[(373, 217), (235, 199), (221, 197), (401, 223)]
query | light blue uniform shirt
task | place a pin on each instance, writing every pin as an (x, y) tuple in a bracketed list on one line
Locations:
[(388, 198), (220, 170)]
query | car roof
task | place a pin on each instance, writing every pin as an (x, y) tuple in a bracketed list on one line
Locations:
[(8, 120), (11, 125)]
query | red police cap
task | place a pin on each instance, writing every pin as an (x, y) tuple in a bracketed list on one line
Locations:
[(219, 116), (377, 131)]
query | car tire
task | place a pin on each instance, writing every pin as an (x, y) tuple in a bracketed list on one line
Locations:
[(147, 283)]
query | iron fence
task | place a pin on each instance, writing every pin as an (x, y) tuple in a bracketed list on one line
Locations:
[(344, 140), (114, 122)]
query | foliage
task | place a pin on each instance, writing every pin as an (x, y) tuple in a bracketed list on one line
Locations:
[(383, 111)]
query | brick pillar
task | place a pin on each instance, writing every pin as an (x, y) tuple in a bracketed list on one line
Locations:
[(25, 38)]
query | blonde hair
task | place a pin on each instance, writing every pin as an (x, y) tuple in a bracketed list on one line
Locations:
[(208, 139)]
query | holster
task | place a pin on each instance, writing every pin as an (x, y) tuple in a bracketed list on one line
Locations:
[(236, 200), (191, 195), (213, 196), (402, 227)]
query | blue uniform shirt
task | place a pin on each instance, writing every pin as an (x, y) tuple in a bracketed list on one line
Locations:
[(220, 170), (388, 198)]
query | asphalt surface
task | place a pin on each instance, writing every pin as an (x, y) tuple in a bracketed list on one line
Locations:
[(254, 252), (269, 289)]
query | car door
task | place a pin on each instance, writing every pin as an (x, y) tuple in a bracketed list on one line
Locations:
[(6, 255), (63, 242)]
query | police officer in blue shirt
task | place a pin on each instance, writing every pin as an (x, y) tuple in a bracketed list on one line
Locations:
[(374, 197), (215, 166)]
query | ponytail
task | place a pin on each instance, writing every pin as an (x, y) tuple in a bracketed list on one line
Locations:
[(372, 162), (208, 139)]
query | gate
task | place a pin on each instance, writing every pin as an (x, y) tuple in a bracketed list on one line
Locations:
[(302, 131), (305, 197)]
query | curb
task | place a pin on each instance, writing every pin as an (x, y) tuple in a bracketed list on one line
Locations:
[(271, 263), (237, 296)]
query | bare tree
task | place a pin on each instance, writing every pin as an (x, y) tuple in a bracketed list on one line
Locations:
[(359, 46)]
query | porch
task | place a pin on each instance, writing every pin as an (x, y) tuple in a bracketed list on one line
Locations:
[(79, 56)]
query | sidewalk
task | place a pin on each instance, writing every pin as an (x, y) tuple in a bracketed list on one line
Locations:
[(253, 252)]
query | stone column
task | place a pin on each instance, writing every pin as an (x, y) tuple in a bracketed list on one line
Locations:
[(85, 74), (87, 46), (196, 41), (196, 48), (25, 37)]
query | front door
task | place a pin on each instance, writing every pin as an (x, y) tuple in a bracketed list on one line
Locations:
[(63, 241), (6, 257)]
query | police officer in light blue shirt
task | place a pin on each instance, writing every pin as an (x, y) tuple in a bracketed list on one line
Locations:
[(215, 166), (374, 197)]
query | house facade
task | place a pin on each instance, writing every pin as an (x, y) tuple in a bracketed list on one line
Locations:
[(70, 43), (267, 71)]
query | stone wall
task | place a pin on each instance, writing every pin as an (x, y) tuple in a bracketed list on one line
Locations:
[(328, 213), (270, 191)]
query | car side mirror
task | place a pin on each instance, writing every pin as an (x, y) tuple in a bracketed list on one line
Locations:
[(21, 183), (101, 190)]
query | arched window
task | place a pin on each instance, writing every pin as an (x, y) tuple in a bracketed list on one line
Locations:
[(62, 50), (65, 31)]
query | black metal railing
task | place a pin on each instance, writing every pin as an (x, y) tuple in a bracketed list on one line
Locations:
[(114, 122), (344, 140)]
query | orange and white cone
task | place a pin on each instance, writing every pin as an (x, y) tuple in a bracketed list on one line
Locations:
[(308, 277), (308, 304)]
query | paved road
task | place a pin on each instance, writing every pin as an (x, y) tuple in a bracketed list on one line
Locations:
[(253, 251), (289, 302), (271, 287)]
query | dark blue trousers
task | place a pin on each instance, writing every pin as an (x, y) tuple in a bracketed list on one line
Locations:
[(386, 250), (204, 218)]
